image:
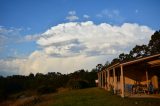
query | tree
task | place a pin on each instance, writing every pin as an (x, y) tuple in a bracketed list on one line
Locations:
[(31, 76), (99, 67), (106, 64), (154, 43), (139, 51), (115, 60), (122, 56)]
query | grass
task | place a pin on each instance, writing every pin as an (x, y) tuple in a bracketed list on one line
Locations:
[(99, 97), (81, 97)]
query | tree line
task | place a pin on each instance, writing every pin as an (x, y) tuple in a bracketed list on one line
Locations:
[(46, 83)]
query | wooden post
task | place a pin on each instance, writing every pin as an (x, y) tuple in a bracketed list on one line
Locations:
[(155, 81), (105, 79), (108, 77), (99, 80), (147, 78), (102, 79), (115, 80), (122, 82)]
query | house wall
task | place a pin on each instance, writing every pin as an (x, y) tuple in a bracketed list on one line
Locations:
[(128, 85), (154, 80), (129, 80), (112, 81)]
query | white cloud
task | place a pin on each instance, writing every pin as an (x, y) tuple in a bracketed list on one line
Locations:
[(75, 45), (72, 16), (64, 65), (87, 38), (40, 62), (8, 36), (136, 11), (11, 66), (113, 15), (86, 16), (31, 37), (13, 35), (72, 12)]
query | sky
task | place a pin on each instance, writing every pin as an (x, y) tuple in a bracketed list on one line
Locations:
[(68, 35)]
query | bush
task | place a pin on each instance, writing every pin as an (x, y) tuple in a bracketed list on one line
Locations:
[(111, 91), (44, 89), (3, 95), (78, 84)]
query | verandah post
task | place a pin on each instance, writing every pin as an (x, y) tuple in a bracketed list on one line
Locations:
[(108, 81), (115, 81), (122, 81)]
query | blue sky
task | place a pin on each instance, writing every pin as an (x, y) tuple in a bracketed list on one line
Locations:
[(23, 22), (39, 15)]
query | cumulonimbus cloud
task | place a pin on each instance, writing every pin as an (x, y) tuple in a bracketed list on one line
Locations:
[(88, 38), (70, 46)]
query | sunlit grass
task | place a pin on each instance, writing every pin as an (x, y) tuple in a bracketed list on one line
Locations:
[(98, 97)]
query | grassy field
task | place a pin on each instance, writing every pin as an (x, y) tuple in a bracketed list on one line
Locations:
[(98, 97), (82, 97)]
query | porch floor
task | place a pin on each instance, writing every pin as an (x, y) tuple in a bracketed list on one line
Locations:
[(145, 96)]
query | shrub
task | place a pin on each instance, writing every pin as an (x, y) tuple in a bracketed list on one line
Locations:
[(78, 84), (44, 89), (3, 95)]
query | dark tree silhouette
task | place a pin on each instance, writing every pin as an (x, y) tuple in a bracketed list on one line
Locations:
[(99, 67), (154, 43)]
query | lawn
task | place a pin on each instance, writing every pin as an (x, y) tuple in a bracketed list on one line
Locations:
[(81, 97), (98, 97)]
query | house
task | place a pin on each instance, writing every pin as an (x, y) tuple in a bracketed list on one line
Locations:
[(127, 78)]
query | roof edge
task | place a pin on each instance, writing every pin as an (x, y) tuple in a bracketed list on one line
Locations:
[(132, 61)]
